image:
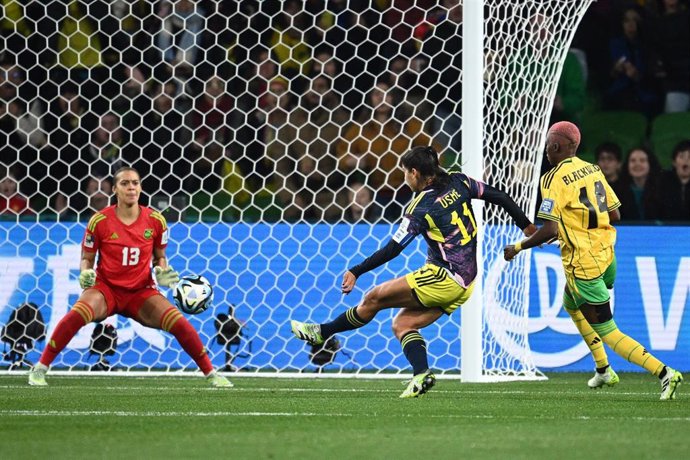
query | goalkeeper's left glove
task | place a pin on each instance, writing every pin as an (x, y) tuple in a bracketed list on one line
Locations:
[(166, 276)]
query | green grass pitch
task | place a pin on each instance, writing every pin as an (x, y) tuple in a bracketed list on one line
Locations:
[(266, 418)]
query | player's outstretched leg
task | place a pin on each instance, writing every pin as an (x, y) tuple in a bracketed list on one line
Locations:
[(608, 378), (420, 384), (670, 381), (316, 334)]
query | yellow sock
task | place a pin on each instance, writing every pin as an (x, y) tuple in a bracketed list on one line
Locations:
[(628, 348), (592, 339)]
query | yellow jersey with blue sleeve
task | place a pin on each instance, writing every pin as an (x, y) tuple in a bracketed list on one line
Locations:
[(575, 194)]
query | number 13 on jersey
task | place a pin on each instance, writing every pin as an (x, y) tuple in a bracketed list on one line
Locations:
[(130, 256)]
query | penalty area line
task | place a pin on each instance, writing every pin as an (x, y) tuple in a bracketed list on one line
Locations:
[(89, 413), (145, 388)]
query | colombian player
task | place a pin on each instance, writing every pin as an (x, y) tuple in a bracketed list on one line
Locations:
[(127, 237), (578, 206), (442, 213)]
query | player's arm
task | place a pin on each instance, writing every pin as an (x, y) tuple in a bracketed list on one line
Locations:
[(613, 202), (545, 234), (164, 273), (502, 199), (615, 215), (407, 232), (89, 247), (389, 252), (88, 260), (87, 275), (159, 258)]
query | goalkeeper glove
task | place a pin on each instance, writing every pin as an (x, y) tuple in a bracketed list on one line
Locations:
[(87, 278), (166, 276)]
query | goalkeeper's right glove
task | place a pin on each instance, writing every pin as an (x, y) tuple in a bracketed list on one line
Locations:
[(87, 278)]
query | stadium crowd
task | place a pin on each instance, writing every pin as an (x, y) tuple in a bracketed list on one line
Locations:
[(295, 110)]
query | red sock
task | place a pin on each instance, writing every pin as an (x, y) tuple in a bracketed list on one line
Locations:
[(80, 315), (173, 322)]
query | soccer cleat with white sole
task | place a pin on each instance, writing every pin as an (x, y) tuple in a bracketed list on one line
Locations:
[(218, 381), (37, 375), (670, 383), (608, 378), (310, 333), (420, 384)]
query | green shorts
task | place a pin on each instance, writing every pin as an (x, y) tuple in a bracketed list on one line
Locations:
[(593, 292), (434, 286)]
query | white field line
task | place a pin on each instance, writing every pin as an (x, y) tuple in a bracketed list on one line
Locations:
[(89, 413), (321, 390)]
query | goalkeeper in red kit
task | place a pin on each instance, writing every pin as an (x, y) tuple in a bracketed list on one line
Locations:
[(128, 238)]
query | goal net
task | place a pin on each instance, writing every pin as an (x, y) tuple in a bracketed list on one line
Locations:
[(268, 133)]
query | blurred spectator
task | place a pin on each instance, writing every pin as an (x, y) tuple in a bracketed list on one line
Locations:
[(106, 151), (260, 142), (203, 177), (30, 123), (266, 71), (79, 42), (12, 22), (608, 157), (178, 40), (59, 205), (324, 63), (98, 190), (371, 147), (162, 135), (672, 44), (361, 52), (11, 78), (26, 116), (402, 16), (359, 205), (404, 78), (254, 86), (441, 72), (210, 118), (570, 93), (288, 43), (11, 201), (276, 137), (631, 77), (638, 189), (319, 119), (674, 189), (132, 98), (67, 122)]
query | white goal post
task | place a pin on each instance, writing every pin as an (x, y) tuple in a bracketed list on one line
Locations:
[(268, 134)]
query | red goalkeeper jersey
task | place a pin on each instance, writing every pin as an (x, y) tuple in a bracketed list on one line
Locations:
[(125, 251)]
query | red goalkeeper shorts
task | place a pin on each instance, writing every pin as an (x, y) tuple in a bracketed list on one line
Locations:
[(123, 301)]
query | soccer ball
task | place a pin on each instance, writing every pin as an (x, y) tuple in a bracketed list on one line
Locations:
[(193, 294)]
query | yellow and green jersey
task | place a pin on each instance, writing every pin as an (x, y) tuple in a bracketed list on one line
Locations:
[(576, 195)]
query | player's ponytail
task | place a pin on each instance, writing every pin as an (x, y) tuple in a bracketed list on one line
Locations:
[(425, 160)]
